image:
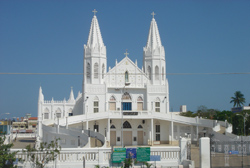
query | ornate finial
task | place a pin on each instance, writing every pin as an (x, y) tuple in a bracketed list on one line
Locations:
[(95, 11), (153, 14), (126, 53), (71, 87)]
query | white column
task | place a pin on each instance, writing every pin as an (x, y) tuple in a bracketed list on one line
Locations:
[(152, 131), (192, 133), (197, 133), (204, 152), (172, 131), (178, 131), (108, 130), (66, 122), (58, 126)]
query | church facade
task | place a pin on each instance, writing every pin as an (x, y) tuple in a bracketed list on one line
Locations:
[(122, 106)]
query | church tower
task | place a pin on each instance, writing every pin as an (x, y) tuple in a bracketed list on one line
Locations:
[(95, 61), (154, 56), (94, 70)]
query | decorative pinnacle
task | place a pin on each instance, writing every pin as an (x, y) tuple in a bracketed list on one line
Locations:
[(153, 14), (95, 11), (126, 53)]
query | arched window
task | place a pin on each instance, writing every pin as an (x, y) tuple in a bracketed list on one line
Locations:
[(96, 70), (126, 77), (157, 105), (126, 96), (112, 127), (70, 112), (103, 70), (156, 73), (96, 105), (88, 70), (139, 103), (112, 103), (163, 73), (58, 113), (149, 72), (126, 104), (139, 126), (46, 113), (126, 124)]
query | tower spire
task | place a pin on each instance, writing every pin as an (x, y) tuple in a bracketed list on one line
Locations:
[(95, 37), (154, 39)]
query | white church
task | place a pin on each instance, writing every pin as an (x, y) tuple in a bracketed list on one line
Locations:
[(120, 106)]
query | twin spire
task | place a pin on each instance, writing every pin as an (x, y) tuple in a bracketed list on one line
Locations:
[(95, 37)]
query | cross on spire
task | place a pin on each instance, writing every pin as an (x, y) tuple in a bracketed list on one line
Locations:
[(126, 53), (95, 11), (153, 14)]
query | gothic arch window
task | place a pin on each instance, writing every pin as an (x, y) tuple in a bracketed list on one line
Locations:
[(139, 126), (70, 112), (112, 127), (46, 113), (103, 70), (162, 73), (157, 105), (156, 72), (96, 105), (149, 72), (139, 103), (96, 70), (126, 96), (58, 113), (126, 77), (88, 70), (126, 124), (112, 103), (126, 102)]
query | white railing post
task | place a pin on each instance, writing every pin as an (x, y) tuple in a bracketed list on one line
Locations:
[(204, 152), (183, 147)]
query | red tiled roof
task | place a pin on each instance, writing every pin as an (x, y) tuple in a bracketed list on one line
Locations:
[(33, 118)]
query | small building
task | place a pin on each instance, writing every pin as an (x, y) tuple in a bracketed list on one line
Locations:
[(5, 127)]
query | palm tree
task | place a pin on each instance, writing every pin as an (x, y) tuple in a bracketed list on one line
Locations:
[(238, 100)]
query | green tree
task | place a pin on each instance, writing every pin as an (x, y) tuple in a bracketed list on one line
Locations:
[(238, 99), (201, 110), (128, 162), (7, 158), (45, 153), (188, 114), (148, 165)]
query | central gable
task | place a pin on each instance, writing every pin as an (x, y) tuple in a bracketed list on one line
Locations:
[(126, 71)]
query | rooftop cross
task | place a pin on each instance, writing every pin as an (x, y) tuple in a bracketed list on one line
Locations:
[(126, 53), (153, 14), (95, 11)]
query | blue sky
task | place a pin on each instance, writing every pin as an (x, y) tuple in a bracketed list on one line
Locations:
[(198, 36)]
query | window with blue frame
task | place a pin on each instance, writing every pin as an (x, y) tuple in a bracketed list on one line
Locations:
[(126, 106)]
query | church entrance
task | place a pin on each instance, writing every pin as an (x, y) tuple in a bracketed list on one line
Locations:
[(127, 133), (139, 137), (112, 138), (127, 138)]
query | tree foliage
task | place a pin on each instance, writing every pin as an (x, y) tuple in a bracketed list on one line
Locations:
[(45, 153), (238, 99), (7, 158)]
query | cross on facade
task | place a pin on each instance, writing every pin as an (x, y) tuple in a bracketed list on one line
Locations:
[(153, 14), (95, 11), (126, 53)]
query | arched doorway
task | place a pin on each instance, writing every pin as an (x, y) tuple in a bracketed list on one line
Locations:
[(127, 133)]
